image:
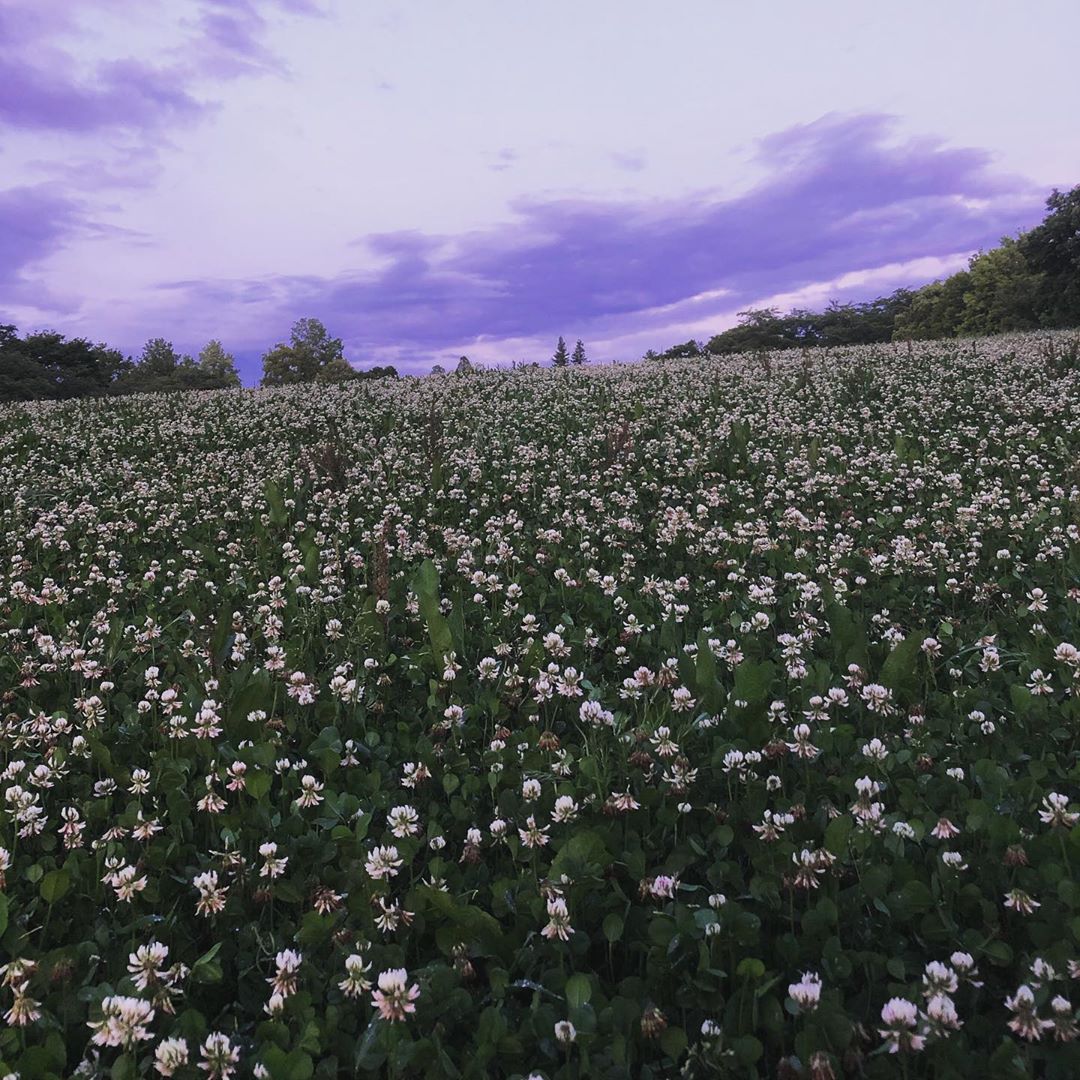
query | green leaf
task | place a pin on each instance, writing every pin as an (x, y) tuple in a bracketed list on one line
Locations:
[(899, 668), (206, 969), (613, 927), (837, 833), (54, 885), (673, 1042), (578, 990)]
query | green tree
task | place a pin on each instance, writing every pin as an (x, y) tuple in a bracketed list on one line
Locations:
[(561, 357), (1052, 250), (579, 356), (936, 310), (310, 354), (46, 365), (217, 368), (1002, 291)]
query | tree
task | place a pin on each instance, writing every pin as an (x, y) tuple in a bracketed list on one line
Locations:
[(1052, 249), (438, 369), (47, 366), (464, 366), (935, 310), (217, 368), (561, 357), (1002, 291), (579, 356), (310, 354)]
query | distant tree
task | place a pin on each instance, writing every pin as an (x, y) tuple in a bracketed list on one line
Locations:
[(46, 365), (159, 360), (935, 310), (1002, 292), (310, 354), (579, 356), (688, 349), (217, 368), (438, 369), (387, 371), (1052, 250), (464, 366), (561, 357)]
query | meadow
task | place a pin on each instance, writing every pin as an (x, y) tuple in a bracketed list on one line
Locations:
[(708, 718)]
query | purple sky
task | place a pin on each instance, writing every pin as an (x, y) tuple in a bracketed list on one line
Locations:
[(478, 177)]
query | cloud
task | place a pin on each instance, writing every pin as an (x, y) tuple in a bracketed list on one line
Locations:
[(842, 208), (123, 94), (35, 221), (839, 196), (43, 89)]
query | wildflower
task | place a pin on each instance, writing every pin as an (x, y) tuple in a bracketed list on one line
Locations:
[(806, 993), (24, 1009), (170, 1055), (309, 796), (533, 835), (900, 1017), (219, 1056), (964, 965), (403, 821), (146, 964), (283, 982), (653, 1022), (394, 999), (383, 862), (1063, 1020), (275, 864), (1018, 900), (941, 1016), (558, 920), (565, 1032), (356, 981), (211, 896), (1056, 811), (124, 1022), (1025, 1021), (944, 830), (566, 809)]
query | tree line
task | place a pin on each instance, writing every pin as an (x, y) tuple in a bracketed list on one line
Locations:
[(47, 366), (1027, 282)]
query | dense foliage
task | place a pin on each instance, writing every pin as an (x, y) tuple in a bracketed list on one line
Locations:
[(47, 366), (1027, 283), (706, 716)]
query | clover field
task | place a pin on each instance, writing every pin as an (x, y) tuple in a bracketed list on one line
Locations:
[(705, 718)]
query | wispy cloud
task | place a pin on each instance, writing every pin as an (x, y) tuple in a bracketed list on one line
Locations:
[(840, 196)]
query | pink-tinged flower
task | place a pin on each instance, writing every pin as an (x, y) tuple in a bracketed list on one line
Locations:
[(1018, 900), (559, 920), (900, 1018), (170, 1055), (355, 982), (24, 1009), (394, 999), (124, 1022), (219, 1056), (944, 829), (1056, 811), (211, 896), (1063, 1020), (806, 993), (1025, 1021)]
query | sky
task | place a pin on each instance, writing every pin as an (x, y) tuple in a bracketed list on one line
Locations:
[(448, 177)]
